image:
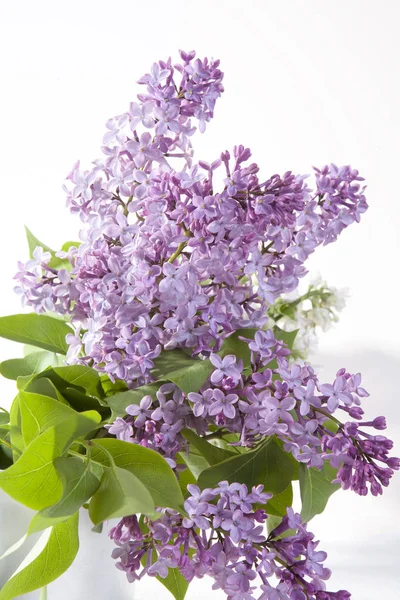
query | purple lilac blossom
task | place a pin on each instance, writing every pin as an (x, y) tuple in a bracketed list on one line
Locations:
[(161, 246), (167, 260), (287, 401), (224, 537)]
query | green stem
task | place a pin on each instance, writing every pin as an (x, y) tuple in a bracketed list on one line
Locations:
[(126, 211), (265, 250), (89, 443), (306, 296), (324, 412), (177, 252), (181, 246), (78, 455), (4, 443), (215, 435), (101, 433)]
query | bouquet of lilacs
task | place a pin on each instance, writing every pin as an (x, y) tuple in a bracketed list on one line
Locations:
[(168, 390)]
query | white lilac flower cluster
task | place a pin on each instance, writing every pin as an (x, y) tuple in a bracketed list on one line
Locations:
[(307, 313)]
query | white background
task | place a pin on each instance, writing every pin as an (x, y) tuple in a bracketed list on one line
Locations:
[(307, 82)]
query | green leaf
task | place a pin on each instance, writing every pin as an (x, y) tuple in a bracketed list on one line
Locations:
[(148, 466), (111, 388), (4, 431), (80, 480), (187, 373), (185, 476), (67, 245), (82, 402), (295, 464), (28, 349), (212, 454), (39, 412), (316, 487), (33, 479), (331, 425), (57, 556), (78, 384), (35, 362), (23, 381), (4, 417), (268, 465), (40, 385), (195, 462), (171, 360), (33, 243), (120, 494), (6, 457), (287, 337), (233, 345), (119, 402), (39, 523), (38, 330), (175, 583), (79, 376), (55, 262), (279, 502), (16, 439), (272, 522)]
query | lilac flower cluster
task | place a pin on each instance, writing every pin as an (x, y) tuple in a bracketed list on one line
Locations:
[(170, 259), (287, 401), (223, 536), (166, 259), (156, 423)]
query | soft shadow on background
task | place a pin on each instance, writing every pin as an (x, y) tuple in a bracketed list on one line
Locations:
[(361, 535)]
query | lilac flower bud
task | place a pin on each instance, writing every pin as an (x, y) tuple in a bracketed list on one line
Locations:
[(356, 412), (379, 423)]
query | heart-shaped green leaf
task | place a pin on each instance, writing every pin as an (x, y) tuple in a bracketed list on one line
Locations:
[(316, 487), (57, 556), (37, 330), (120, 494), (80, 480), (268, 465), (148, 466), (33, 479)]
